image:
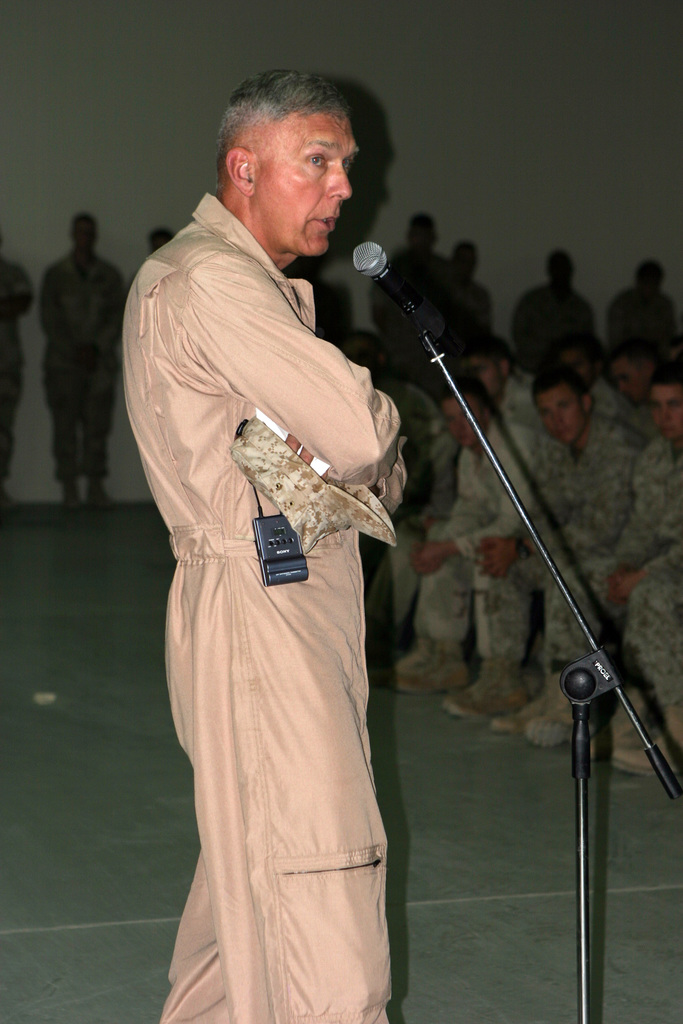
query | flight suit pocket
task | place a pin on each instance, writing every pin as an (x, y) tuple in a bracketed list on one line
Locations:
[(334, 932)]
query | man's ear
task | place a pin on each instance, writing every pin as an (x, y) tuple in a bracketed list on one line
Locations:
[(240, 164)]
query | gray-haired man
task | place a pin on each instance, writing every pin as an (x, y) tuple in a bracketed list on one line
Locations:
[(285, 919)]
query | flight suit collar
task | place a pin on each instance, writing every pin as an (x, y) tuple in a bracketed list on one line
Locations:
[(211, 214)]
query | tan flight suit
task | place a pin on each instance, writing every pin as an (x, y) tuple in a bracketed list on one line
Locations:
[(285, 919)]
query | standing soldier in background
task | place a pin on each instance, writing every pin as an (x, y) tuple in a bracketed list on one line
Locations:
[(81, 308), (547, 313), (643, 311), (430, 274), (467, 292), (16, 296), (158, 237)]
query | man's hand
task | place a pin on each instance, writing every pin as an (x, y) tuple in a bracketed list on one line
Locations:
[(495, 555), (429, 557), (297, 447), (304, 454), (623, 582)]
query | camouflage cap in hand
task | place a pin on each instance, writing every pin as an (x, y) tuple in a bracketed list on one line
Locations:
[(314, 507)]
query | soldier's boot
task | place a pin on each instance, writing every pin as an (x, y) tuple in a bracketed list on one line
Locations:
[(618, 733), (554, 725), (97, 496), (673, 733), (673, 724), (70, 496), (456, 676), (425, 668), (498, 690), (516, 723), (628, 754), (381, 675)]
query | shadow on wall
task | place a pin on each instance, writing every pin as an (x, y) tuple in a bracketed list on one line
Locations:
[(370, 170)]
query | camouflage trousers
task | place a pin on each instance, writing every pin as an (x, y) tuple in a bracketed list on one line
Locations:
[(10, 390), (653, 635), (404, 580), (457, 594), (564, 638), (81, 403), (391, 585)]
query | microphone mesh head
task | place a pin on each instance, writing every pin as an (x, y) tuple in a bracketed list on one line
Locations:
[(370, 258)]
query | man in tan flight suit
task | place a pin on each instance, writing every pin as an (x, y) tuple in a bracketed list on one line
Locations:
[(285, 918)]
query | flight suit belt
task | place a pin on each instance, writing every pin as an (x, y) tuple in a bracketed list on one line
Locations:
[(194, 545)]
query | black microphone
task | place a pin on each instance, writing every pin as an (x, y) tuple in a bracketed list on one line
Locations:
[(370, 259)]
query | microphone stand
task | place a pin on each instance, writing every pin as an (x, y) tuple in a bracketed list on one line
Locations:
[(581, 681)]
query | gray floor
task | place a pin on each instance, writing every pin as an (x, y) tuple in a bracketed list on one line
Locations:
[(99, 841)]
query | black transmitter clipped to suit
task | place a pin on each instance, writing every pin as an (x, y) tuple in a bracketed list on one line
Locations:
[(279, 551)]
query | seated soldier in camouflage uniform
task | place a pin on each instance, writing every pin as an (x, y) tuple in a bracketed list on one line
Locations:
[(545, 314), (648, 580), (631, 365), (390, 581), (584, 353), (509, 388), (583, 473), (452, 580)]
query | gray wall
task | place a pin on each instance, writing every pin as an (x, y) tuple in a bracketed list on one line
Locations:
[(523, 124)]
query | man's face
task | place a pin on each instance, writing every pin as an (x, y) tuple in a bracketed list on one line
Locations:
[(565, 415), (491, 373), (632, 379), (84, 235), (666, 402), (421, 240), (300, 182), (579, 361), (458, 424), (464, 263), (648, 286), (560, 270)]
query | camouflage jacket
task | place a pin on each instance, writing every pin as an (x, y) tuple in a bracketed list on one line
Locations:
[(653, 536), (587, 498), (81, 308), (482, 508)]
